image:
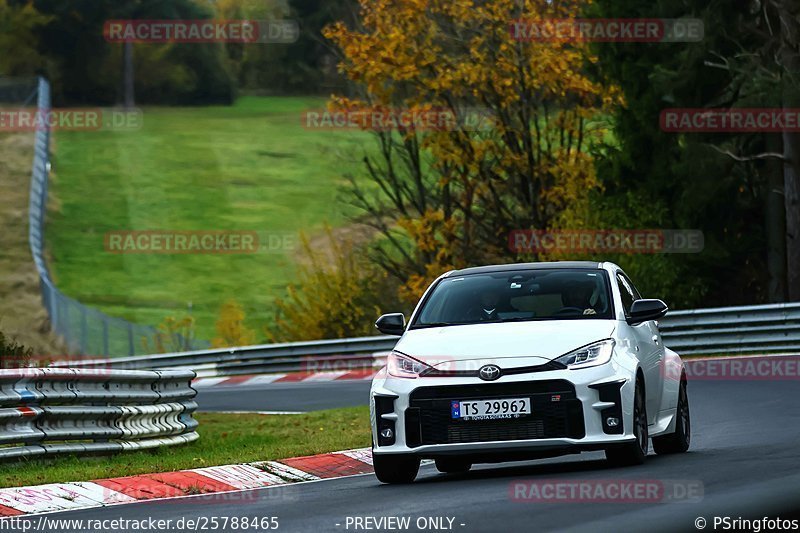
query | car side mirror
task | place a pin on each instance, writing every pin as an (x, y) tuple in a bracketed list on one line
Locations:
[(391, 324), (644, 310)]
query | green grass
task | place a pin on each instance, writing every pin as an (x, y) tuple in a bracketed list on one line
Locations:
[(251, 166), (224, 439)]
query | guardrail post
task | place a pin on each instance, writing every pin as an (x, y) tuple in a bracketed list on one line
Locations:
[(84, 332), (131, 349), (67, 332), (105, 336)]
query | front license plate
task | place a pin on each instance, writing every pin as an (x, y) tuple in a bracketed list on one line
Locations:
[(490, 409)]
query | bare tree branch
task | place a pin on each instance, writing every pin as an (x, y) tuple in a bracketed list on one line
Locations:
[(745, 158)]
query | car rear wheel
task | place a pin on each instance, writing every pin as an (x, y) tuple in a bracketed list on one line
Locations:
[(679, 441), (452, 465), (395, 468), (635, 452)]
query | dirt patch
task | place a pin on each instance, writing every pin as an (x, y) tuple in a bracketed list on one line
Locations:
[(22, 316)]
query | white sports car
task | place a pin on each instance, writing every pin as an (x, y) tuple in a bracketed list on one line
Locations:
[(524, 361)]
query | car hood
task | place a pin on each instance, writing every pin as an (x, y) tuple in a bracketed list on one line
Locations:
[(509, 345)]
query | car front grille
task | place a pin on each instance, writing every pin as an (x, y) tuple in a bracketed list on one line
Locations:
[(556, 413)]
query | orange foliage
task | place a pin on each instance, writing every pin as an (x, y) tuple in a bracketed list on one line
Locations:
[(529, 168)]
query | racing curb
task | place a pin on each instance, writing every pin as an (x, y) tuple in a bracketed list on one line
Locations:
[(294, 377), (230, 479)]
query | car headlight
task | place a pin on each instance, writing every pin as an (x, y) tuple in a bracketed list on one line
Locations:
[(401, 365), (595, 354)]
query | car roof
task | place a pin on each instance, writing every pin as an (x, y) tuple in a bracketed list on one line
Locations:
[(579, 265)]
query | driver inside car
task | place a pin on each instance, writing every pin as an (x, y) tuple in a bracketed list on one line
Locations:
[(578, 296), (486, 307)]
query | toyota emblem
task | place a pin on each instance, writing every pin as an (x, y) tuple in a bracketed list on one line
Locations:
[(489, 372)]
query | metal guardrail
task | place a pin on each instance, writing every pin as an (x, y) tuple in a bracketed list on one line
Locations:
[(755, 329), (355, 353), (48, 411), (85, 330), (751, 329)]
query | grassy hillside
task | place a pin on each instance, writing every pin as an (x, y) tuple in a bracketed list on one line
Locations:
[(22, 315), (252, 166)]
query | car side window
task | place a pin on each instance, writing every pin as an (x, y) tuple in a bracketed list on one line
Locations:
[(626, 293)]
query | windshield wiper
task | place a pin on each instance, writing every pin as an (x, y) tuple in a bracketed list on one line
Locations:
[(438, 325)]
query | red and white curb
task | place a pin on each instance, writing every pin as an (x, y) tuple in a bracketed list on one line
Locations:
[(199, 481), (296, 377)]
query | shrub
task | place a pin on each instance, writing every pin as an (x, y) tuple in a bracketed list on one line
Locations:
[(172, 335), (13, 354), (339, 294), (231, 330)]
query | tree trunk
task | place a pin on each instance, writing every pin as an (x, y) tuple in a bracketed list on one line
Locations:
[(791, 191), (775, 224), (790, 60)]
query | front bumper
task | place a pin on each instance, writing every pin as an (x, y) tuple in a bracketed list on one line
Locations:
[(570, 410)]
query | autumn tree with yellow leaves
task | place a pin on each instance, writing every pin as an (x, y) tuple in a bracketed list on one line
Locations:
[(231, 330), (444, 198)]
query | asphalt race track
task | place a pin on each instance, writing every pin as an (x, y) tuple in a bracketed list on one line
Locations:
[(744, 456), (301, 396)]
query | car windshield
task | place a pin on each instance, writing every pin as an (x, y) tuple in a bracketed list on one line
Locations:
[(557, 294)]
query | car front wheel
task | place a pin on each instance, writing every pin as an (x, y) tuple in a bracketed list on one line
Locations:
[(395, 468), (635, 452), (679, 441)]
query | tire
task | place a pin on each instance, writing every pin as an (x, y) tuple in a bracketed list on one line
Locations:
[(679, 441), (395, 468), (452, 465), (633, 453)]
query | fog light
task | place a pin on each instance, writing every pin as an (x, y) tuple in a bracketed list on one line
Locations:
[(387, 433), (612, 421)]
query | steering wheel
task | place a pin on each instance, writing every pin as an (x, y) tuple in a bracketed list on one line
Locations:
[(568, 311)]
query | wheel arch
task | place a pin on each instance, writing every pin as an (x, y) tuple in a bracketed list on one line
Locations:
[(640, 378)]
